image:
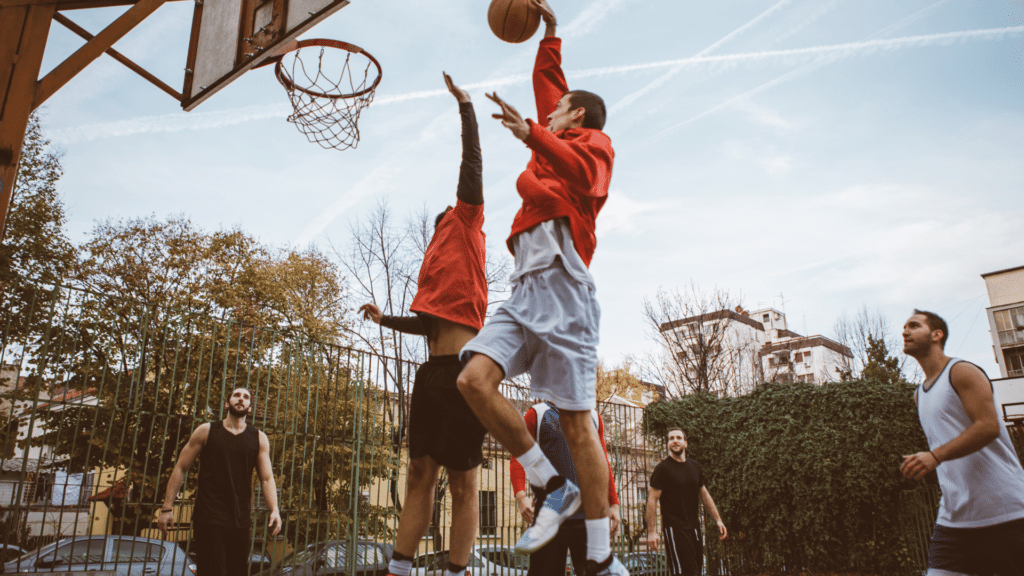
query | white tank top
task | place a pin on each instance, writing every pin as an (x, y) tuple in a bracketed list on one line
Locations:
[(981, 489)]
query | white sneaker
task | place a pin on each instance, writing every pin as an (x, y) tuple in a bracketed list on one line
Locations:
[(614, 568), (556, 507)]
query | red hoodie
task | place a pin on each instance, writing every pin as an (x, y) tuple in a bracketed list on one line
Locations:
[(570, 170)]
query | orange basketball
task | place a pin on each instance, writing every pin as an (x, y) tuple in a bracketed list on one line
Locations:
[(513, 21)]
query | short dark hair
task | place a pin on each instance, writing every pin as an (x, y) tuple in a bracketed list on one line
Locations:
[(592, 104), (935, 322), (676, 428), (441, 216)]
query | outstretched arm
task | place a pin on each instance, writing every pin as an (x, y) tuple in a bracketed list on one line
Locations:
[(471, 184), (406, 324), (548, 15)]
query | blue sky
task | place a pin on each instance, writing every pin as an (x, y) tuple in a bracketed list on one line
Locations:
[(832, 154)]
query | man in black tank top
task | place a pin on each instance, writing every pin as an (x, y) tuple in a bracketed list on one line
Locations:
[(221, 523)]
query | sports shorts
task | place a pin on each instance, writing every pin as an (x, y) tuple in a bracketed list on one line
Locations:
[(221, 550), (683, 550), (548, 328), (441, 423), (987, 551)]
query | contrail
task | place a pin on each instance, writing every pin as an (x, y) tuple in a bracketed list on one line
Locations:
[(205, 120), (785, 77), (661, 80)]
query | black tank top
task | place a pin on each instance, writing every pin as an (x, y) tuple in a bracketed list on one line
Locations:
[(225, 477)]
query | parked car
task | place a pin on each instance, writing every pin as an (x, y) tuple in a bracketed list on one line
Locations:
[(9, 552), (645, 564), (331, 557), (125, 555), (257, 562), (487, 561)]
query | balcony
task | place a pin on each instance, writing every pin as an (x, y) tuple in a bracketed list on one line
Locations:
[(1011, 337)]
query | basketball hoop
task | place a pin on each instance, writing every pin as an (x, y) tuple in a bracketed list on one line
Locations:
[(327, 106)]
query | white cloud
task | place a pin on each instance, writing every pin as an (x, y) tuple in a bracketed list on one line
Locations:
[(621, 214)]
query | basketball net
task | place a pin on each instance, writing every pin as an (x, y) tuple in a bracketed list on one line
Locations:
[(326, 108)]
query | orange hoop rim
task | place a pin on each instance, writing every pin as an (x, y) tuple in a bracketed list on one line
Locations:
[(286, 81)]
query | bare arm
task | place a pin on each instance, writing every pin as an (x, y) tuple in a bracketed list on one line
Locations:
[(709, 507), (653, 495), (406, 324), (185, 461), (269, 487), (975, 392)]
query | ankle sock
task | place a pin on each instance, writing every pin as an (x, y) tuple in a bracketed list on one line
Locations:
[(455, 570), (538, 469), (400, 565), (598, 539)]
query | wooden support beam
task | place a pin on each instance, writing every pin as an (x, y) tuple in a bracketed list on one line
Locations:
[(72, 4), (118, 56), (93, 49), (21, 57)]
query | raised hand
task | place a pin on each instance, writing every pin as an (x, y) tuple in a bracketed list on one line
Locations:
[(461, 95), (546, 13), (371, 312), (510, 118)]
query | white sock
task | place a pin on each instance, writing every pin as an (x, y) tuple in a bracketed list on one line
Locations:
[(598, 539), (448, 572), (400, 567), (538, 469)]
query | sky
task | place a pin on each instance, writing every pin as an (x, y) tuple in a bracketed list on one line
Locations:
[(816, 156)]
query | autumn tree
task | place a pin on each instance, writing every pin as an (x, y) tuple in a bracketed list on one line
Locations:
[(174, 319)]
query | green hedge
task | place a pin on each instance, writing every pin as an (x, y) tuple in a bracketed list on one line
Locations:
[(806, 477)]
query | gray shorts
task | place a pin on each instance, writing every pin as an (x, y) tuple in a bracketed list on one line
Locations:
[(549, 328)]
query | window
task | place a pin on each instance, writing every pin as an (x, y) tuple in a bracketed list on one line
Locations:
[(135, 551), (1014, 362), (487, 464), (766, 318), (81, 551), (641, 495), (488, 513), (1010, 325)]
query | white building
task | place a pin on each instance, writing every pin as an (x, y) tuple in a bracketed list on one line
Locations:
[(1006, 325), (758, 347)]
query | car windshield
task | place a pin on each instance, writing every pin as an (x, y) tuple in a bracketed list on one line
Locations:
[(301, 557), (432, 561)]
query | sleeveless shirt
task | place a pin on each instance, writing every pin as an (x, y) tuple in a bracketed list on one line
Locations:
[(553, 444), (225, 477), (983, 488)]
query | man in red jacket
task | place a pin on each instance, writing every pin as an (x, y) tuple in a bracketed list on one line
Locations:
[(549, 325)]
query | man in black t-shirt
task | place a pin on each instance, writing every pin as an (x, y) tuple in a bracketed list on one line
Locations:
[(679, 484)]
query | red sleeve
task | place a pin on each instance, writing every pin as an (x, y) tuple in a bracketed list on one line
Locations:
[(613, 494), (515, 470), (549, 83), (585, 160)]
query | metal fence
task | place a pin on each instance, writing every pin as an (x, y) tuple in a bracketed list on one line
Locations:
[(98, 394)]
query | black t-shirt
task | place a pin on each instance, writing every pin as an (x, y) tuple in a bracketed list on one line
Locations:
[(680, 484)]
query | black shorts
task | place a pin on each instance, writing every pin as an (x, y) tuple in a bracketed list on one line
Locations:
[(441, 423), (988, 551), (683, 550), (221, 550), (550, 559)]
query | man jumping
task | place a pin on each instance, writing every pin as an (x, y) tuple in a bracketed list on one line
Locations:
[(549, 325), (450, 305)]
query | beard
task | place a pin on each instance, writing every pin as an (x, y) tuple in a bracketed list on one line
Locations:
[(236, 412), (676, 452)]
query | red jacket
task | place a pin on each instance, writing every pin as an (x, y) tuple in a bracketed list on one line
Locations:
[(518, 475), (569, 171)]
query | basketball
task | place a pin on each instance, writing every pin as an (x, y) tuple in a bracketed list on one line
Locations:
[(513, 21)]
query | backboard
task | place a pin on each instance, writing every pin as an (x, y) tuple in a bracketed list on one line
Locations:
[(230, 37)]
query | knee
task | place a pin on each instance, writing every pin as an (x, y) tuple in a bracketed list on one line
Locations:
[(477, 380), (576, 425), (421, 473), (463, 486)]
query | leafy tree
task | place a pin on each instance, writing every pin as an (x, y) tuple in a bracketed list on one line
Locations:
[(35, 244), (881, 366)]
